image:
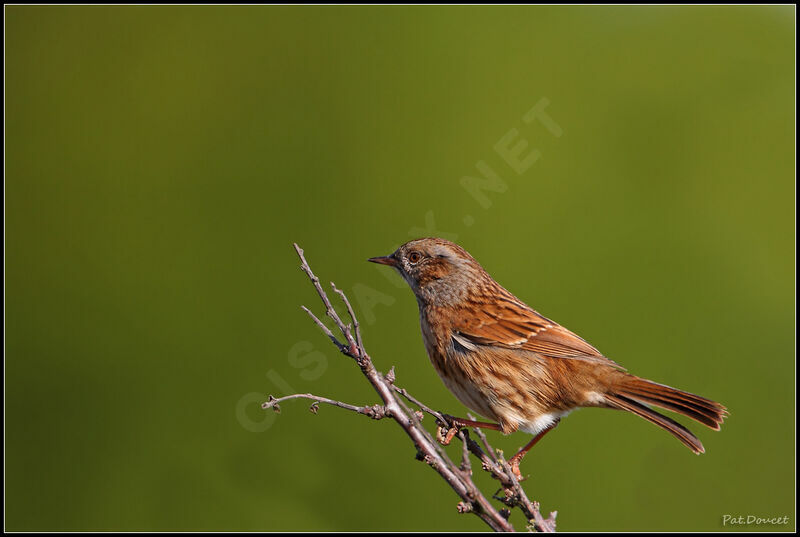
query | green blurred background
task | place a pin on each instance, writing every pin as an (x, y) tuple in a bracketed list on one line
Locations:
[(162, 160)]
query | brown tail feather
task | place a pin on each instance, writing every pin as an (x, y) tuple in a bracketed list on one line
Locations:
[(646, 386), (705, 411), (676, 429)]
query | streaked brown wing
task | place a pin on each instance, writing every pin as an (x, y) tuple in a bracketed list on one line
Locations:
[(516, 326)]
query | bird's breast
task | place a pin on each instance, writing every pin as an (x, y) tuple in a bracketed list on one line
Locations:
[(456, 374), (513, 387)]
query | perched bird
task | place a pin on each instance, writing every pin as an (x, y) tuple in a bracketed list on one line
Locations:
[(516, 367)]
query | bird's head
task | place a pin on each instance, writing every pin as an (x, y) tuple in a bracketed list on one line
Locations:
[(439, 272)]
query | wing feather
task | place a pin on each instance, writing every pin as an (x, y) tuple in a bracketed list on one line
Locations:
[(517, 326)]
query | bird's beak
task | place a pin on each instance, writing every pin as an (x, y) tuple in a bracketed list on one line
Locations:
[(385, 260)]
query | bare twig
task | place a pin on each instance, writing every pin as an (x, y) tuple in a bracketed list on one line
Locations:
[(466, 466), (424, 408), (459, 477), (374, 411), (329, 309), (483, 438), (361, 350), (325, 329)]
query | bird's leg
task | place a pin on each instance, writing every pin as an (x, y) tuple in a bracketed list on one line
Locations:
[(455, 424), (515, 460)]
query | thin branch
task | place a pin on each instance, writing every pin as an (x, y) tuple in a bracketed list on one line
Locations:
[(483, 439), (342, 347), (466, 466), (353, 317), (422, 406), (329, 309), (374, 411)]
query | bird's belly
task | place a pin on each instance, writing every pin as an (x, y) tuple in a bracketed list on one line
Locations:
[(513, 390), (497, 398), (543, 421)]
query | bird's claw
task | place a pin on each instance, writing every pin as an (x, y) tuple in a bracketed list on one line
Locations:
[(514, 464), (447, 430), (445, 436)]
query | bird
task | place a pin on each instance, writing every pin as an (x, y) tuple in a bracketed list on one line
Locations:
[(514, 366)]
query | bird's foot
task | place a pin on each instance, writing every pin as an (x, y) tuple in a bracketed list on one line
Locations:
[(451, 425), (514, 464), (447, 429), (515, 468)]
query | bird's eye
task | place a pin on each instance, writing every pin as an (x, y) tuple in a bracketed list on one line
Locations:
[(414, 257)]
